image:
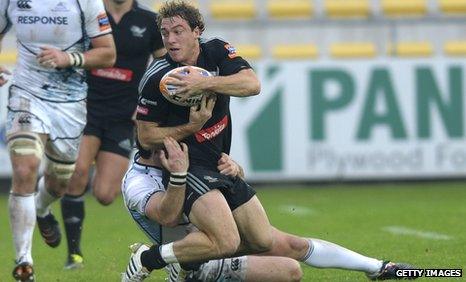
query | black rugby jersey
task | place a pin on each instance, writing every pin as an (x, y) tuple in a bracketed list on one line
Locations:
[(113, 91), (206, 145)]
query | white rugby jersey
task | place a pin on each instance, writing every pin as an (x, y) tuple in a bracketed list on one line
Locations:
[(64, 24)]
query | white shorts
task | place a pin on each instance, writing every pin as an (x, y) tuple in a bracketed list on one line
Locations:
[(62, 122), (138, 185), (223, 270)]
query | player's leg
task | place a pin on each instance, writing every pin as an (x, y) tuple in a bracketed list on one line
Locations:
[(250, 217), (72, 204), (66, 126), (218, 236), (254, 227), (245, 268), (112, 160), (25, 146), (24, 151), (324, 254)]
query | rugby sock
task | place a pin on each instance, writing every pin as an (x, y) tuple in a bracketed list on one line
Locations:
[(324, 254), (43, 199), (152, 259), (22, 221), (72, 210)]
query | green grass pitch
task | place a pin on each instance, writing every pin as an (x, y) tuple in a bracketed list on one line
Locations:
[(424, 224)]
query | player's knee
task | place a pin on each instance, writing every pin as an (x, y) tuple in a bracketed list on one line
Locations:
[(295, 273), (228, 245), (25, 171), (81, 173), (27, 144), (104, 199), (261, 244), (60, 170)]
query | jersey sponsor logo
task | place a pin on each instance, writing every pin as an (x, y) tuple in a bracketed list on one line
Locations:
[(138, 31), (146, 102), (42, 20), (231, 51), (114, 73), (61, 7), (142, 110), (211, 132), (24, 4), (104, 23)]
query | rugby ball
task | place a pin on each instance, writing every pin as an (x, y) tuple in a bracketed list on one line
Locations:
[(169, 91)]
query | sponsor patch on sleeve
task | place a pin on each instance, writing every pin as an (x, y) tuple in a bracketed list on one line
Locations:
[(231, 51), (104, 23)]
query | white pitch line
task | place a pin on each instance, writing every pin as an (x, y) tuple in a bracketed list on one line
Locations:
[(401, 230), (296, 210)]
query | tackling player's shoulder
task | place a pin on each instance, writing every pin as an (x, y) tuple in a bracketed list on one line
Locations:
[(154, 73)]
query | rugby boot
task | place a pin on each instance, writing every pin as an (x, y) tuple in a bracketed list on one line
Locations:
[(135, 271), (49, 230), (23, 272), (74, 261), (389, 270)]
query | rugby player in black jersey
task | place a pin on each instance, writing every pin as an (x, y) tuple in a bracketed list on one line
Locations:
[(224, 208)]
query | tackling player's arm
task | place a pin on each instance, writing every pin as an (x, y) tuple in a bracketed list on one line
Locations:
[(151, 134), (166, 207), (227, 166)]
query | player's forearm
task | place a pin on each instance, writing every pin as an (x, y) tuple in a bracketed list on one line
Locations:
[(242, 84), (153, 138), (171, 206), (101, 57)]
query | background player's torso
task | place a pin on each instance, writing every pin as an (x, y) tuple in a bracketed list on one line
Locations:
[(64, 25), (113, 91)]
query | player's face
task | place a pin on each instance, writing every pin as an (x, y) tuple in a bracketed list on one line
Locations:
[(180, 41)]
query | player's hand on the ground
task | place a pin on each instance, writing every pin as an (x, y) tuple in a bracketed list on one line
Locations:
[(199, 115), (3, 70), (227, 166), (177, 160), (53, 58), (189, 84)]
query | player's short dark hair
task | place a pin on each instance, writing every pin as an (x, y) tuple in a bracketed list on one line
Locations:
[(183, 9)]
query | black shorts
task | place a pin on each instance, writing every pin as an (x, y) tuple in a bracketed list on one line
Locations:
[(115, 136), (200, 181)]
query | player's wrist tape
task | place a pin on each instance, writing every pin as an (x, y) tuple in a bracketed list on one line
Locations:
[(178, 178), (76, 59)]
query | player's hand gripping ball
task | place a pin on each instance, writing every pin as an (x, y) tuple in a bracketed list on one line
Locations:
[(169, 91)]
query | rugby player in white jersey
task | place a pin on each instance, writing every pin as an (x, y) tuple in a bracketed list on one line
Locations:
[(46, 107)]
